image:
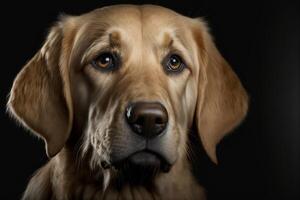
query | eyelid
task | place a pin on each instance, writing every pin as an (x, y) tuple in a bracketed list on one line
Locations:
[(185, 56), (89, 58), (90, 55), (180, 55), (116, 57)]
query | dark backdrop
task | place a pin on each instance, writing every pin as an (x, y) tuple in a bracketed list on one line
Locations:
[(261, 160)]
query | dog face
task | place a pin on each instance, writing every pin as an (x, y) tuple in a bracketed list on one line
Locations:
[(130, 81), (139, 82)]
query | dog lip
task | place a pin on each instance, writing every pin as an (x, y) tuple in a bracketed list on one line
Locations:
[(145, 158)]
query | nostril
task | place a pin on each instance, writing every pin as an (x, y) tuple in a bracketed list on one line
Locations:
[(140, 121), (159, 120)]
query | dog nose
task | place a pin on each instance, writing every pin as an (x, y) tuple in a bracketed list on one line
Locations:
[(147, 119)]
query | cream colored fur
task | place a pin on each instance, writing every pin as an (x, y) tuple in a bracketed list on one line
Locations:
[(76, 109)]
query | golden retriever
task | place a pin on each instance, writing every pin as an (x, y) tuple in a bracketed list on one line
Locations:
[(114, 94)]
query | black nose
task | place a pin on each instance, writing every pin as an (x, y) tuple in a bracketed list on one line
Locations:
[(147, 119)]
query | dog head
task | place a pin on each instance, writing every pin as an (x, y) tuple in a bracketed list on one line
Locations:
[(129, 81)]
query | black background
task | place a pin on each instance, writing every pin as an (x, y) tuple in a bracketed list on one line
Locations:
[(260, 39)]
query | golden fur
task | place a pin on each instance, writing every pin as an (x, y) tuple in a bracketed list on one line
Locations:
[(76, 109)]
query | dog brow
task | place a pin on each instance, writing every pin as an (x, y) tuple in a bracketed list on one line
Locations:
[(173, 41), (114, 39), (167, 40), (106, 42)]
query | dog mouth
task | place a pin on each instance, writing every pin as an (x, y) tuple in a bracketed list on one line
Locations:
[(140, 167), (145, 159)]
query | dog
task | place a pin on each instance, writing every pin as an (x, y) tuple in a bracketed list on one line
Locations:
[(114, 94)]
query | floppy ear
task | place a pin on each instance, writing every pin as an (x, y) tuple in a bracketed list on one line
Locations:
[(40, 96), (222, 101)]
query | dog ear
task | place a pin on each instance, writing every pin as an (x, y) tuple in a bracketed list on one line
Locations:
[(222, 101), (40, 96)]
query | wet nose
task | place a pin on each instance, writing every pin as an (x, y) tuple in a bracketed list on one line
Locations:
[(147, 119)]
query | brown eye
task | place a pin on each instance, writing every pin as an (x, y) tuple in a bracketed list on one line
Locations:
[(174, 63), (106, 61)]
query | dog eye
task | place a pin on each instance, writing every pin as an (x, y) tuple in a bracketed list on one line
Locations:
[(106, 61), (174, 63)]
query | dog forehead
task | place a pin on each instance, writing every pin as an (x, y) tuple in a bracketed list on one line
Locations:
[(136, 19), (122, 12)]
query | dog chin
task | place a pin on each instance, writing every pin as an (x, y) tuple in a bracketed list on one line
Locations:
[(140, 168)]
